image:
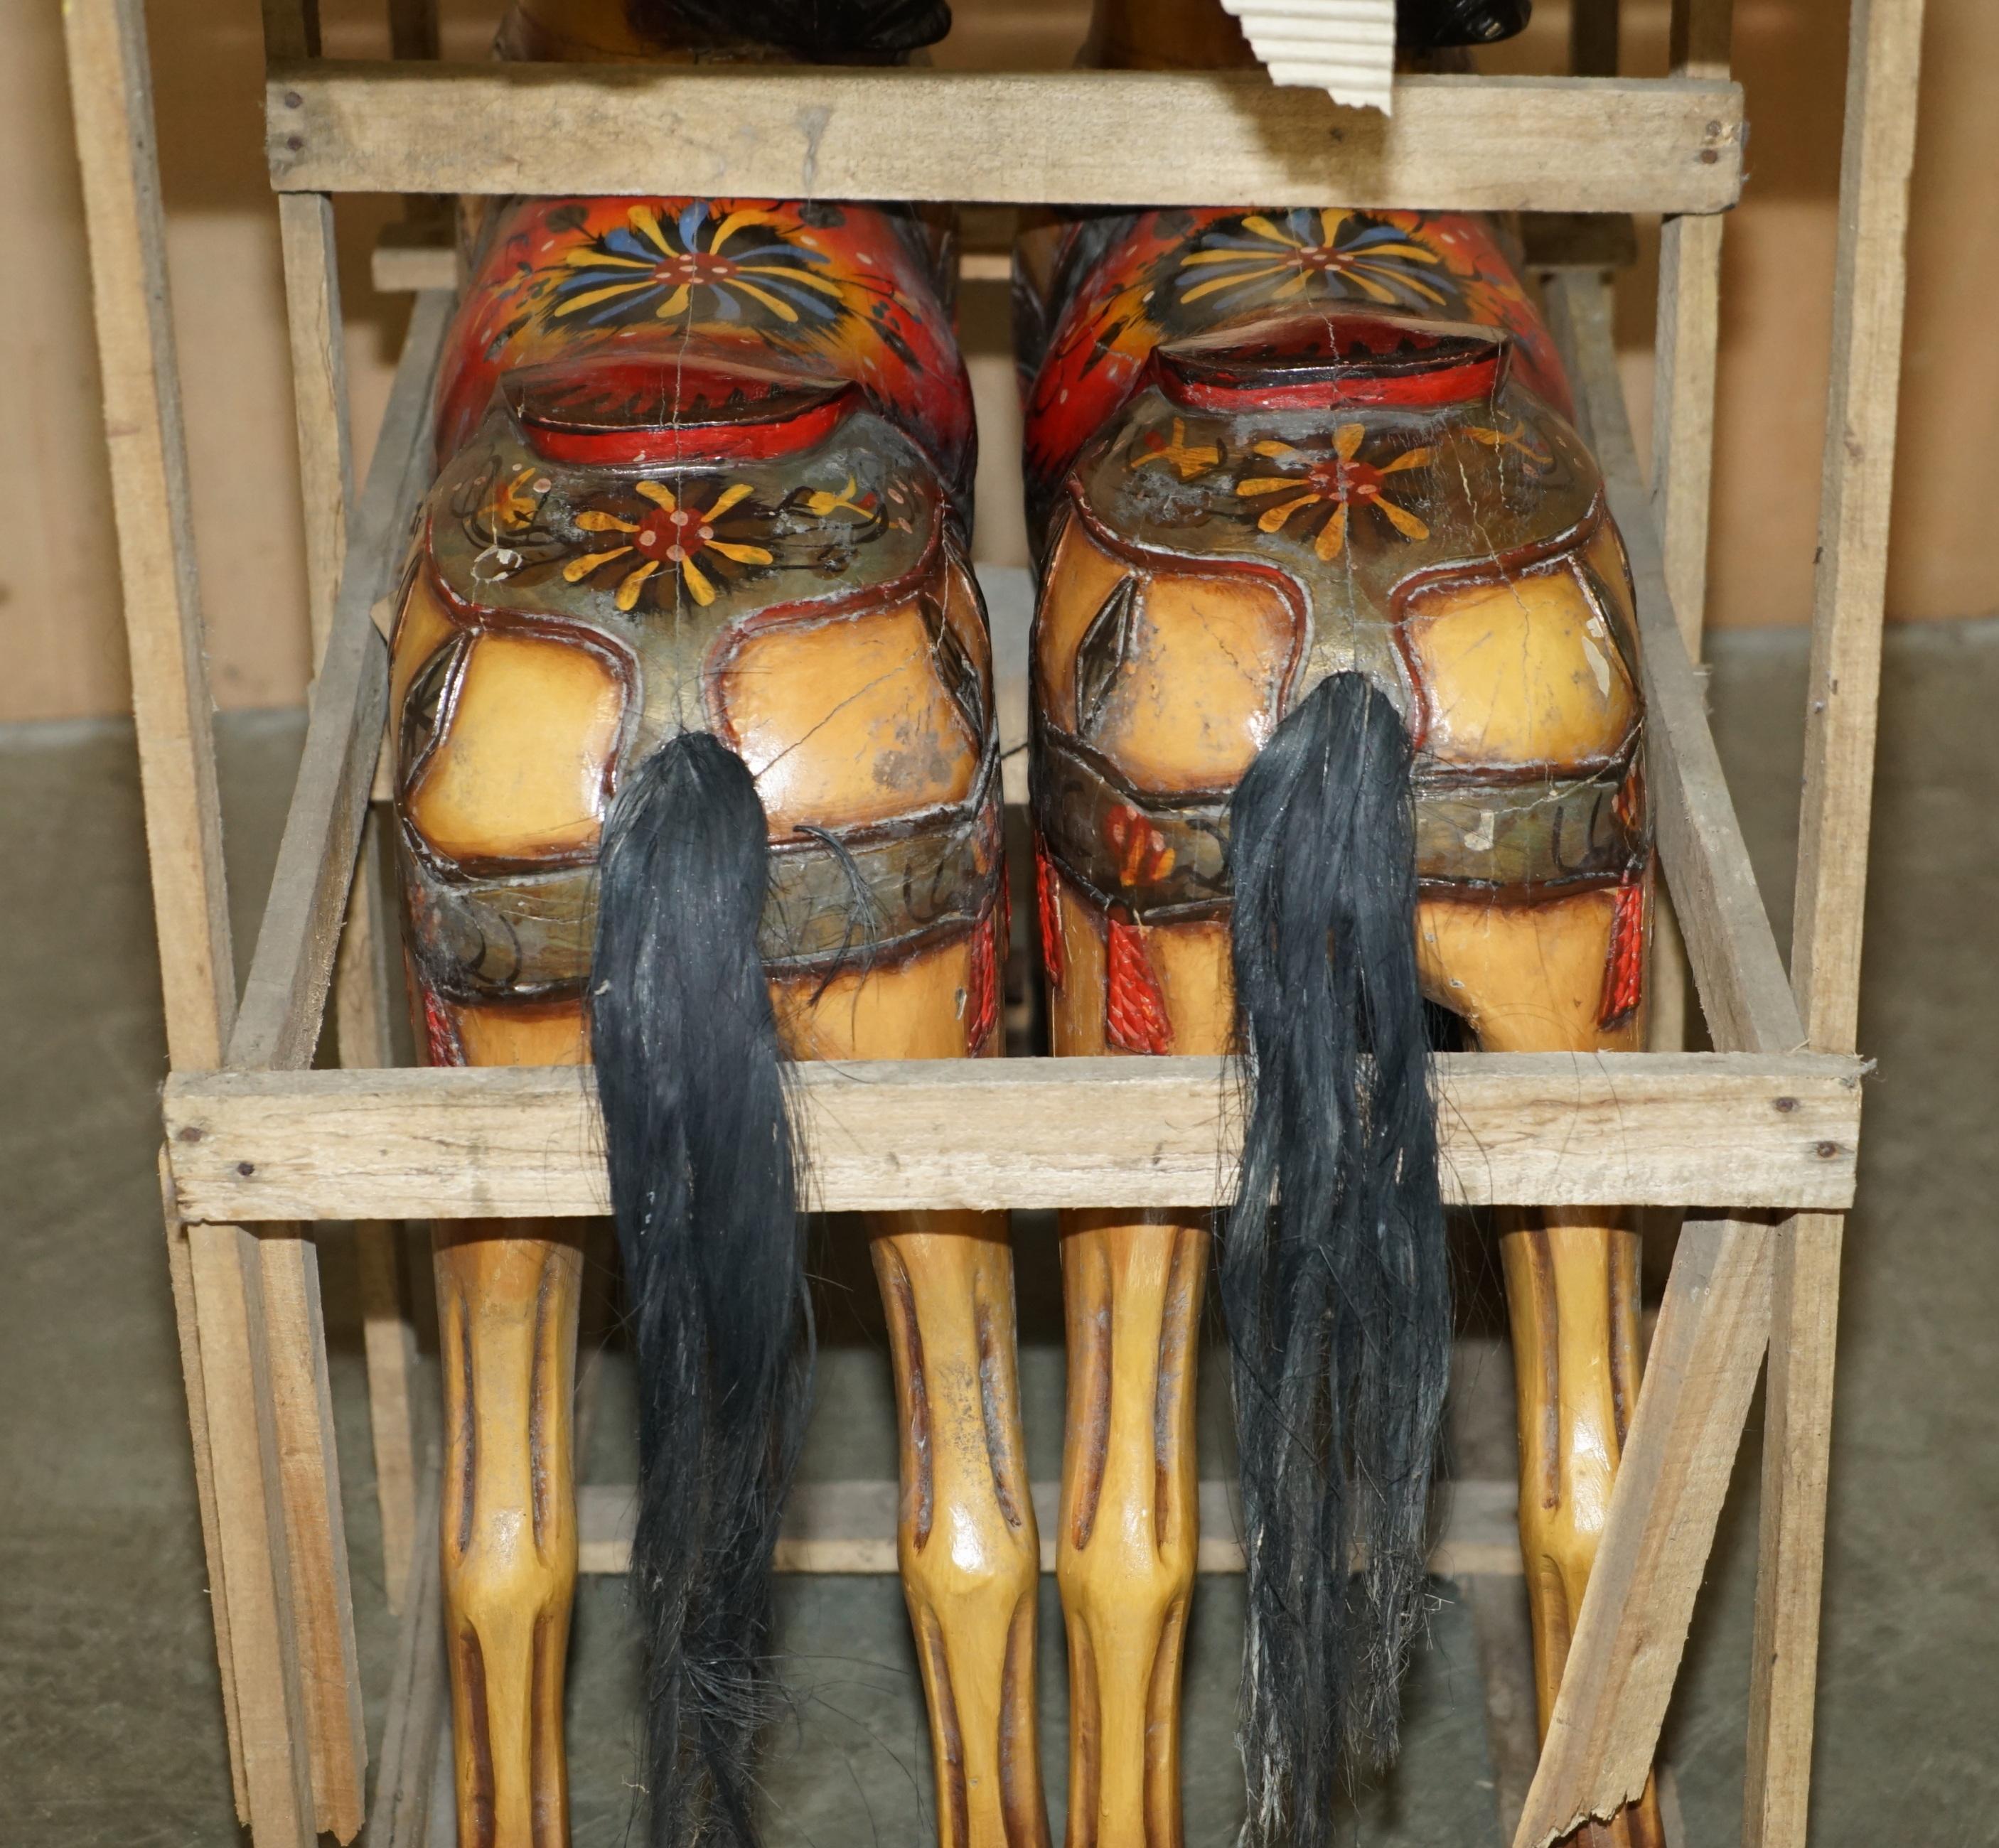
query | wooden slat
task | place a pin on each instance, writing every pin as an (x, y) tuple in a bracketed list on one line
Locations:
[(180, 1277), (1632, 1628), (412, 1724), (1855, 489), (277, 1762), (300, 1392), (1549, 1129), (1087, 137), (1797, 1448), (319, 397), (279, 1024), (1683, 411), (111, 104), (111, 99), (362, 986), (1883, 69), (1744, 990), (285, 993), (1688, 338), (850, 1528)]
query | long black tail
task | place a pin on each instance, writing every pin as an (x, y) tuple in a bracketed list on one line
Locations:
[(704, 1185), (1334, 1281)]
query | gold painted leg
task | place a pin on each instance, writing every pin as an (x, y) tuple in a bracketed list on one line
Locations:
[(506, 1317), (1572, 1295), (1530, 978), (1130, 1518), (966, 1539)]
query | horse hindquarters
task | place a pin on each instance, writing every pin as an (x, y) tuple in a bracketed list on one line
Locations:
[(1332, 610), (740, 657)]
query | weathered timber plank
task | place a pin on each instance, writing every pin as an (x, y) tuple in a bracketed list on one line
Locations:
[(300, 1388), (227, 1276), (111, 101), (1074, 137), (1632, 1628), (1545, 1129), (850, 1528), (111, 98), (1884, 46), (1790, 1562), (319, 397), (1744, 990), (412, 1724), (283, 999), (1856, 488), (368, 983), (180, 1279)]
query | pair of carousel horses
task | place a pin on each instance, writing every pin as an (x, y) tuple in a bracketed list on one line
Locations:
[(1335, 716)]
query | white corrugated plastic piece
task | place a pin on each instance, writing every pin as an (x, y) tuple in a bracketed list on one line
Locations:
[(1345, 47)]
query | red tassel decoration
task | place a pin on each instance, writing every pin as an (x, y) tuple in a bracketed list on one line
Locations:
[(1134, 1014), (1624, 971), (441, 1042), (983, 986), (1049, 905)]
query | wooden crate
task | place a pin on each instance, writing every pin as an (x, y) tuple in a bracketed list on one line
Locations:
[(1764, 1130)]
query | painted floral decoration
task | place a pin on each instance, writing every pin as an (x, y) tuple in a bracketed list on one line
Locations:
[(680, 538), (1339, 480), (1186, 459), (1306, 255), (701, 533), (745, 265)]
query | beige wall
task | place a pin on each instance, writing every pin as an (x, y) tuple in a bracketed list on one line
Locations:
[(57, 575)]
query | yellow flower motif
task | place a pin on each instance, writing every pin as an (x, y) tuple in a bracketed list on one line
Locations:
[(1519, 437), (1188, 462), (511, 503), (673, 537), (1339, 478), (821, 501)]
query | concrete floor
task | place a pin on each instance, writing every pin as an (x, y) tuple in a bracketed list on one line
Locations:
[(110, 1724)]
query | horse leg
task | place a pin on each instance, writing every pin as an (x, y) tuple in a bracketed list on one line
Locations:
[(1533, 978), (966, 1540), (507, 1291), (1129, 1523)]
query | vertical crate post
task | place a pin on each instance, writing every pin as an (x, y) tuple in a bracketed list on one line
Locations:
[(1883, 67)]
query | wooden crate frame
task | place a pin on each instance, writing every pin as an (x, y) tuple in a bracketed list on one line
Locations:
[(1764, 1130)]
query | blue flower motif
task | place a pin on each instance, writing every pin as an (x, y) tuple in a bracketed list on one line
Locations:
[(648, 270), (1305, 253)]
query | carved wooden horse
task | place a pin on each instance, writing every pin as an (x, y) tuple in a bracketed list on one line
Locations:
[(1335, 647), (696, 769)]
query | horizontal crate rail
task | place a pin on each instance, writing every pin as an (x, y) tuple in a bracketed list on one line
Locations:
[(1545, 1129), (849, 1527), (1573, 145)]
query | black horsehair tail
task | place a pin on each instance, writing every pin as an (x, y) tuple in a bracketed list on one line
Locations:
[(704, 1186), (1334, 1281)]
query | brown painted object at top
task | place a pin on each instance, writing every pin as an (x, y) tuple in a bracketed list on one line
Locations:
[(1263, 448)]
